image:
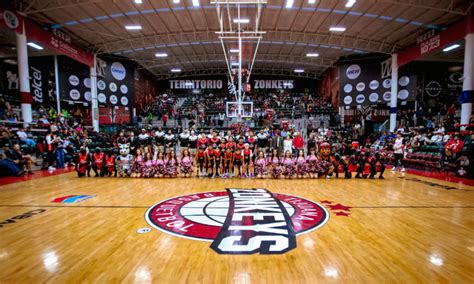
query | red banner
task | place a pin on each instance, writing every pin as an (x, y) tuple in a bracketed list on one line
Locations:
[(58, 41), (433, 41)]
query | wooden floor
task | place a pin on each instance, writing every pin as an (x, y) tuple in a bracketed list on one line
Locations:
[(400, 230)]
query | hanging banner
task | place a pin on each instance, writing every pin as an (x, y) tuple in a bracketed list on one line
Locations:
[(56, 40), (433, 41)]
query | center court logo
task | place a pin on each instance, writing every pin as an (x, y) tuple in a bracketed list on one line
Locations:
[(239, 221)]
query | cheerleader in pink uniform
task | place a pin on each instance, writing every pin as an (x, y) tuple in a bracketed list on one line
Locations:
[(312, 162), (301, 166), (137, 165), (148, 166), (289, 167), (260, 165), (186, 164), (171, 165), (160, 164), (274, 163)]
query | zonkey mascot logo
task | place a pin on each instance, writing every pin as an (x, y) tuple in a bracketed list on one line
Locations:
[(238, 220)]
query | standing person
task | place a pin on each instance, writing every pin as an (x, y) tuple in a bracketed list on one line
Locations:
[(210, 161), (298, 142), (287, 144), (169, 141), (193, 143), (202, 141), (262, 141), (186, 164), (49, 139), (278, 142), (201, 161), (237, 162), (221, 119), (218, 157), (247, 154), (398, 151), (160, 139), (228, 162), (184, 139), (252, 141)]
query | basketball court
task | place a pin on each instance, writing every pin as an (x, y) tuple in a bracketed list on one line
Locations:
[(401, 229), (238, 141)]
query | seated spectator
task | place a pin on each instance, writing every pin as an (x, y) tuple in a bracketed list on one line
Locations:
[(20, 159), (453, 147), (9, 168), (23, 136)]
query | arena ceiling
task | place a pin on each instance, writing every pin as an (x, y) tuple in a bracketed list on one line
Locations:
[(186, 32)]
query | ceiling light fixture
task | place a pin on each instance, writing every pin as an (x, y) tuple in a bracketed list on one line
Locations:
[(312, 54), (289, 3), (350, 3), (138, 1), (299, 71), (451, 47), (175, 70), (175, 1), (133, 27), (311, 1), (196, 3), (34, 45), (161, 54), (234, 50), (337, 29), (241, 21)]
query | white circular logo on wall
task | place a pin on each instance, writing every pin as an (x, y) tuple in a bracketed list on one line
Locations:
[(74, 94), (403, 94), (101, 98), (348, 88), (433, 89), (360, 99), (87, 82), (123, 89), (113, 99), (387, 83), (404, 81), (88, 96), (353, 71), (101, 85), (374, 84), (113, 87), (374, 97), (124, 101), (11, 20), (386, 96), (74, 80), (118, 71), (347, 100), (360, 87)]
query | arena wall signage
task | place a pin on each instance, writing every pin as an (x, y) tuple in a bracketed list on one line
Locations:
[(432, 41), (239, 220), (41, 82), (257, 83), (361, 84), (57, 40), (114, 88)]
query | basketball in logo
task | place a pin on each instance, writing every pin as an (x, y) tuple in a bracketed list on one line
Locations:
[(239, 221)]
